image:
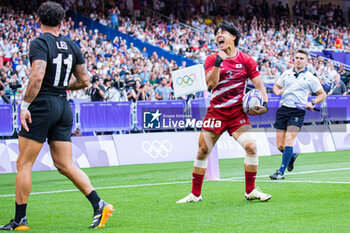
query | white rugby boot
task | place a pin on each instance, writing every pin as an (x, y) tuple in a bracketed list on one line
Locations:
[(190, 198), (257, 194)]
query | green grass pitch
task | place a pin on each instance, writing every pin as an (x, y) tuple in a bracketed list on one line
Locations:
[(315, 197)]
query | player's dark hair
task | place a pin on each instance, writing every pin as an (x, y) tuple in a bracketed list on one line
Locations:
[(51, 14), (231, 28), (303, 52)]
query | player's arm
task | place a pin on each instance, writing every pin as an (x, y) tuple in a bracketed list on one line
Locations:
[(316, 87), (33, 87), (321, 95), (259, 85), (82, 78), (345, 92), (212, 77), (277, 89), (36, 78)]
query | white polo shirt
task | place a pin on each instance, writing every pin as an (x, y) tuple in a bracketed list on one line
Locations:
[(297, 87)]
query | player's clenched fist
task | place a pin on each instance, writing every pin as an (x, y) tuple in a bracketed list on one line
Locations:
[(223, 55)]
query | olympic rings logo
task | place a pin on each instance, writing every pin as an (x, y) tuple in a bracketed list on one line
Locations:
[(186, 80), (157, 149)]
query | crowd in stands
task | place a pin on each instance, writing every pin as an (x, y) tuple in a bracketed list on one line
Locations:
[(122, 72), (267, 35), (125, 71)]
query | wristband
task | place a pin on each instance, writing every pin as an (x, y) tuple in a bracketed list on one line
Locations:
[(266, 105), (25, 105), (218, 61)]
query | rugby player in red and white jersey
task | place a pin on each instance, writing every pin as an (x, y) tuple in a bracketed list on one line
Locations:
[(227, 74)]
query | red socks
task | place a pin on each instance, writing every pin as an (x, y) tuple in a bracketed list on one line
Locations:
[(197, 181), (249, 181)]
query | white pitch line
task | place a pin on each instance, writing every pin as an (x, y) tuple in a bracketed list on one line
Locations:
[(294, 181), (296, 173), (110, 187), (238, 179)]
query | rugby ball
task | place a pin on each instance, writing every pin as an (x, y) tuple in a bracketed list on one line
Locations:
[(252, 98)]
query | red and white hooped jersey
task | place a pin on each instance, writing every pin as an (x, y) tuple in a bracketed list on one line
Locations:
[(234, 74)]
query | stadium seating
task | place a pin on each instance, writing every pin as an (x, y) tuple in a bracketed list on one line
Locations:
[(111, 33)]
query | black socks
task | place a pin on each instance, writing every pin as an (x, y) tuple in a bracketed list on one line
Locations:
[(20, 212), (94, 199)]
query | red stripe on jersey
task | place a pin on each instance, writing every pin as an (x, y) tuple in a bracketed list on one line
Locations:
[(234, 74)]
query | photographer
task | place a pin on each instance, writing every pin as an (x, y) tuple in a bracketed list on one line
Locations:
[(2, 93), (5, 84), (97, 90), (115, 91)]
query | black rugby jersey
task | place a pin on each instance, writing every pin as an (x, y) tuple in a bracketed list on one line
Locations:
[(61, 55)]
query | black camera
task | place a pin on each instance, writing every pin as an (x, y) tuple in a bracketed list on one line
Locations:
[(95, 78), (15, 85), (120, 84)]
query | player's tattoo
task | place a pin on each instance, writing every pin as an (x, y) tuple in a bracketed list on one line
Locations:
[(34, 83), (40, 67), (81, 73)]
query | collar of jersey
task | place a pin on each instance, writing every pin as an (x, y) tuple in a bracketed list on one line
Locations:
[(297, 74), (235, 56)]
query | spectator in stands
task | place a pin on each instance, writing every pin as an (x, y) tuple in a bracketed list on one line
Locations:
[(77, 133), (148, 93), (136, 93), (97, 90), (2, 93), (144, 52), (343, 73), (21, 69), (5, 82), (153, 81), (270, 38), (114, 18), (324, 85), (337, 87), (6, 50), (163, 91), (330, 72), (339, 42)]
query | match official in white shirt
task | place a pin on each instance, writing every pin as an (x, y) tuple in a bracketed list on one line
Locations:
[(295, 86)]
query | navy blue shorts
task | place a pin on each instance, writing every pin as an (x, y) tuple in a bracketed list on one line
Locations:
[(51, 118), (286, 116)]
